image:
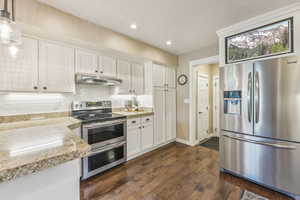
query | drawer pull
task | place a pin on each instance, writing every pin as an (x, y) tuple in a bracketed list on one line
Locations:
[(133, 122)]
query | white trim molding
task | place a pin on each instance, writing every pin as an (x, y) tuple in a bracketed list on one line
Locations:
[(192, 111), (183, 141), (292, 10)]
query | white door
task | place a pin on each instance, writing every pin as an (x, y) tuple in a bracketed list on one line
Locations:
[(170, 77), (202, 108), (124, 73), (216, 100), (159, 115), (158, 75), (137, 78), (147, 136), (86, 62), (170, 114), (56, 69), (108, 66), (20, 73), (133, 140)]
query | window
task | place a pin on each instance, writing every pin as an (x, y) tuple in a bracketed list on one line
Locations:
[(269, 40)]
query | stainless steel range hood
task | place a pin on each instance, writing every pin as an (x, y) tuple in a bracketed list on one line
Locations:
[(92, 79)]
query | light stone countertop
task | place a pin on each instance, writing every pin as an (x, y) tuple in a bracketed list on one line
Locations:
[(30, 146), (134, 114)]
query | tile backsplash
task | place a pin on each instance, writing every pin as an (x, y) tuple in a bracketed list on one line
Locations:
[(30, 103)]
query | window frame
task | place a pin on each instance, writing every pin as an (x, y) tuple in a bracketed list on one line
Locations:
[(290, 20)]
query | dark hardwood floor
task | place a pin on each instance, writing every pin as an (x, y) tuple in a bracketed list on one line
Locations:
[(174, 172)]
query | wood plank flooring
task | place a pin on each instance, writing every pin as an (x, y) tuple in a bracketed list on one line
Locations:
[(174, 172)]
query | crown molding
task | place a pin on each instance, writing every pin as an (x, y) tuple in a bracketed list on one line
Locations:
[(259, 19)]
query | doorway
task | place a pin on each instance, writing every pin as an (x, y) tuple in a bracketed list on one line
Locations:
[(206, 94)]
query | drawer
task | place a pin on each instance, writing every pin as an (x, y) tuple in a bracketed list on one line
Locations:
[(133, 122), (147, 119)]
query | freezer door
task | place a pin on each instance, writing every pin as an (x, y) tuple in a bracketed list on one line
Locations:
[(269, 162), (277, 99), (236, 107)]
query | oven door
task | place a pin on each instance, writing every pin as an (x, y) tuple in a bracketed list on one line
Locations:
[(101, 134), (103, 159)]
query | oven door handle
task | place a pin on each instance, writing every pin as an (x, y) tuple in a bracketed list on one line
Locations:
[(104, 124), (96, 151)]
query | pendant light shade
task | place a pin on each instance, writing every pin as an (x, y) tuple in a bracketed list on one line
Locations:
[(10, 33)]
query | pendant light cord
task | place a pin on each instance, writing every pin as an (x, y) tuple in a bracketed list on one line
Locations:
[(13, 10), (5, 5)]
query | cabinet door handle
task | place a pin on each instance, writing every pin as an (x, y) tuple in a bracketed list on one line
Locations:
[(133, 122), (101, 72), (45, 88), (96, 71), (35, 87)]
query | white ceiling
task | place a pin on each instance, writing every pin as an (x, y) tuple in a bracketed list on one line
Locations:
[(190, 24)]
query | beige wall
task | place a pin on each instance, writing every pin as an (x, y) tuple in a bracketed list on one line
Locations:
[(41, 20), (183, 91)]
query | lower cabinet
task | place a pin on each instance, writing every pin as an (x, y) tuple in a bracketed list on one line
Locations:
[(139, 136)]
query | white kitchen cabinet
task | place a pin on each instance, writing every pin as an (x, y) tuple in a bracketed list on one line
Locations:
[(133, 140), (108, 66), (56, 67), (20, 73), (159, 102), (140, 138), (124, 73), (86, 62), (170, 114), (132, 76), (147, 140), (158, 75), (137, 79), (170, 77)]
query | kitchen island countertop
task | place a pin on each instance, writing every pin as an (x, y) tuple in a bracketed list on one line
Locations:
[(30, 146)]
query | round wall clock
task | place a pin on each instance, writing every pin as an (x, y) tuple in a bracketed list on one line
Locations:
[(182, 79)]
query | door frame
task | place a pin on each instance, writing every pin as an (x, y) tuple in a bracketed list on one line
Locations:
[(192, 100), (204, 76), (216, 77)]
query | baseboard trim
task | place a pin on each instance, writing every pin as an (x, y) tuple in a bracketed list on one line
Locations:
[(183, 141)]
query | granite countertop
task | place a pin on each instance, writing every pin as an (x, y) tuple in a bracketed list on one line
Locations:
[(133, 114), (30, 146)]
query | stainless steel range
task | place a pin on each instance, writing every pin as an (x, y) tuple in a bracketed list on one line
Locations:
[(105, 132), (260, 122)]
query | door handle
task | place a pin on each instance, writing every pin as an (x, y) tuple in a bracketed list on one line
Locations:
[(280, 146), (249, 97), (257, 97)]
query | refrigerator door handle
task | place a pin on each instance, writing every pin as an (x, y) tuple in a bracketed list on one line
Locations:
[(257, 97), (249, 96), (280, 146)]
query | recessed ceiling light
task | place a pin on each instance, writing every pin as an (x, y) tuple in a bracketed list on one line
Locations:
[(169, 42), (133, 26)]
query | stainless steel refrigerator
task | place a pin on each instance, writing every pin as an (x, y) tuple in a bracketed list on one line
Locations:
[(260, 122)]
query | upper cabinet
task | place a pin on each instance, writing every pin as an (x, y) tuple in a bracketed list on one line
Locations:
[(158, 75), (108, 66), (132, 76), (20, 73), (170, 77), (124, 73), (89, 62), (137, 79), (56, 67), (86, 61)]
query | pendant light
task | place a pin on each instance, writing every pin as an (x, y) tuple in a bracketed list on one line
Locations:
[(10, 34)]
